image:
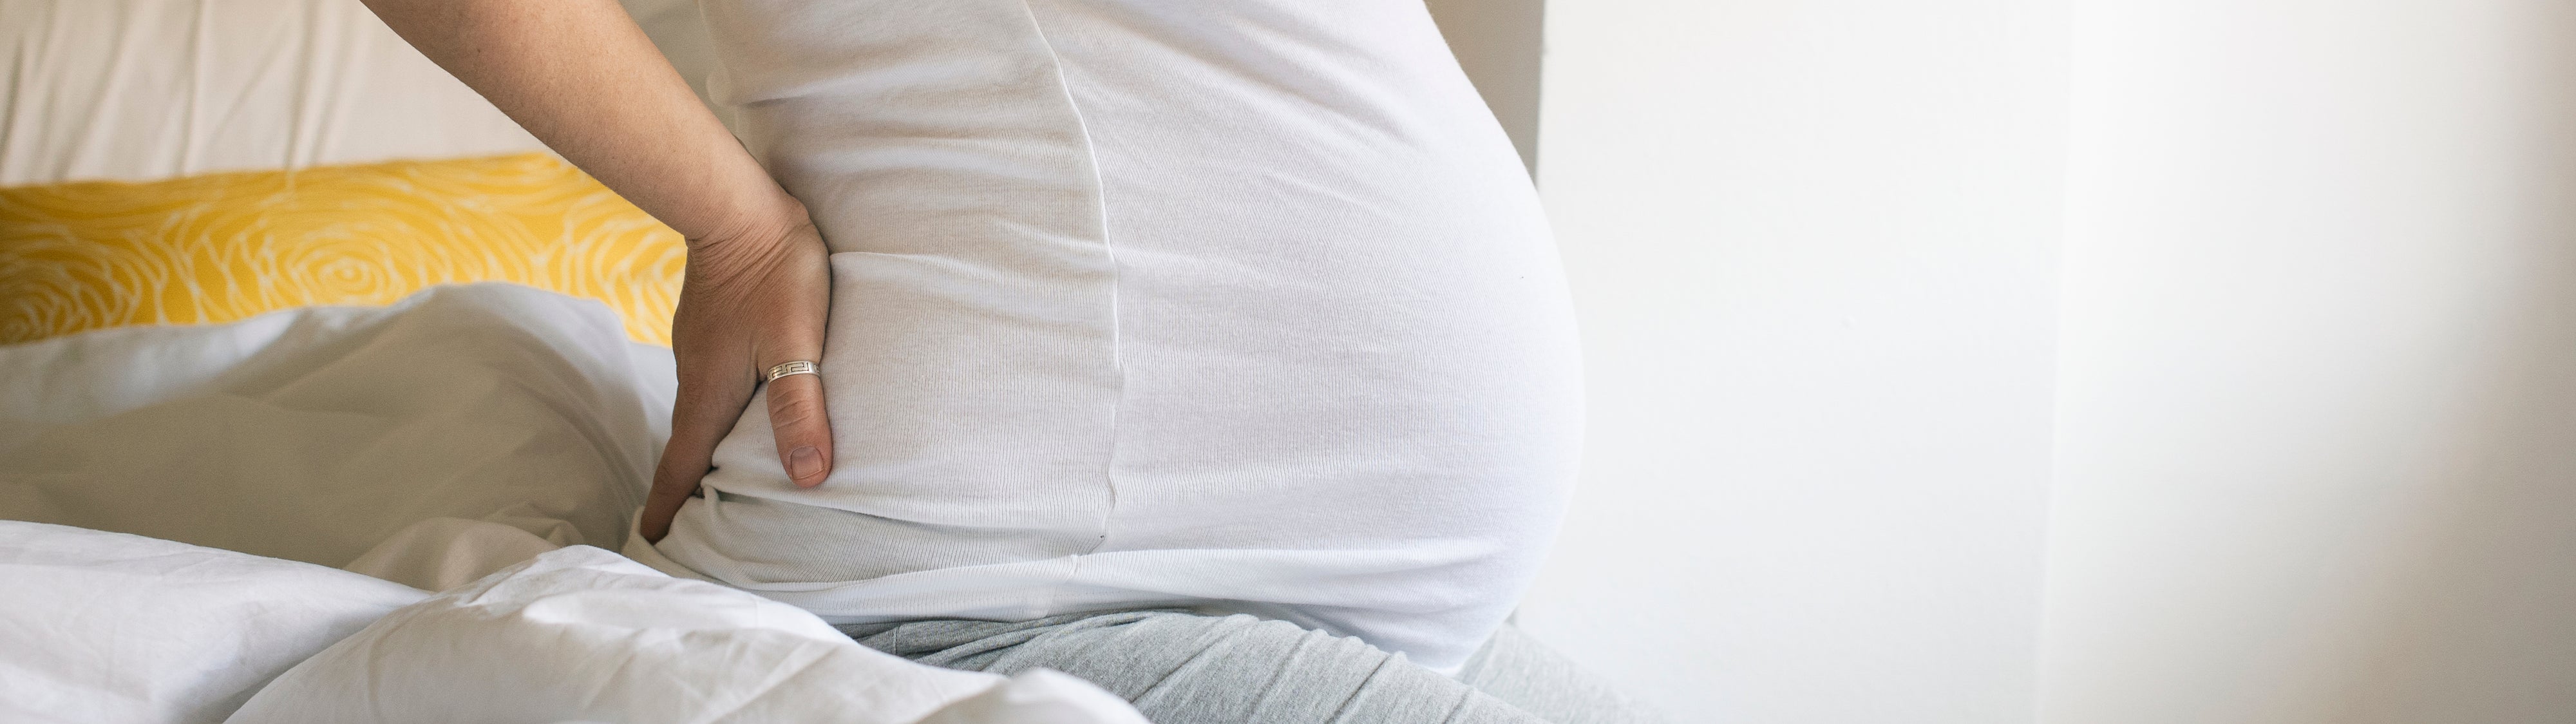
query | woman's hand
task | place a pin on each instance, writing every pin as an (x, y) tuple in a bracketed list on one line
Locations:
[(751, 299), (580, 76)]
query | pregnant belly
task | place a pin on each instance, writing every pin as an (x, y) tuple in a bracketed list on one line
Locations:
[(1251, 289)]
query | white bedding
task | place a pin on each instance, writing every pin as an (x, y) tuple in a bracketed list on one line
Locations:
[(314, 434), (431, 442), (580, 634), (147, 89), (456, 434), (108, 627)]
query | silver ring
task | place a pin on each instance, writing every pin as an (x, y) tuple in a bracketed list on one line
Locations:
[(798, 367)]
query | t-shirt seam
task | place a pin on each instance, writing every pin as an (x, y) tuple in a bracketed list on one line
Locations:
[(1117, 357)]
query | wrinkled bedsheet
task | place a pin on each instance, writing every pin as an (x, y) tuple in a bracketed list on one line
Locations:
[(179, 503), (314, 434)]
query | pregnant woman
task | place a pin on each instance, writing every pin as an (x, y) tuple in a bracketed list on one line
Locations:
[(1213, 351)]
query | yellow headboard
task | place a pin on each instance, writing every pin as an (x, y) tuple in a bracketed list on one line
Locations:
[(222, 247)]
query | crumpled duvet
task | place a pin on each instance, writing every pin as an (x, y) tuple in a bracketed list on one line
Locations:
[(428, 442), (313, 434), (109, 627)]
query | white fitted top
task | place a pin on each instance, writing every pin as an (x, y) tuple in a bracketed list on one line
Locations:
[(1244, 305)]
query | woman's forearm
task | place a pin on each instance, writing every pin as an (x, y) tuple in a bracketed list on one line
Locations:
[(581, 76), (585, 80)]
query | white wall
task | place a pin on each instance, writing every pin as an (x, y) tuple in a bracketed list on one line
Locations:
[(1812, 244), (2314, 420), (2317, 429), (1497, 42)]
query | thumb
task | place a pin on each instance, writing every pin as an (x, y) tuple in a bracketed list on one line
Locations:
[(798, 420)]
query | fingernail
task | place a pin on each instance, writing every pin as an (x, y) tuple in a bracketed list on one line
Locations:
[(804, 462)]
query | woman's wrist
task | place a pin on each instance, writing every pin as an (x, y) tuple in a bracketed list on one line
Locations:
[(767, 218)]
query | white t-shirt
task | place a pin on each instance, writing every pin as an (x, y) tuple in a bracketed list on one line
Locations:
[(1244, 305)]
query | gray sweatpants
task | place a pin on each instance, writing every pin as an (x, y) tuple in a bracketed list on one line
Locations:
[(1186, 668)]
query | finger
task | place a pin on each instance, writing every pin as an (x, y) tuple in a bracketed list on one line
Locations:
[(715, 386), (698, 421), (797, 417)]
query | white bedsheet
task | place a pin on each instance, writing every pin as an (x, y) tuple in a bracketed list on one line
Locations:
[(107, 627), (315, 434), (580, 634), (100, 627), (463, 429)]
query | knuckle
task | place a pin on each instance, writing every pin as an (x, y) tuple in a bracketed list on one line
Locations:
[(795, 411)]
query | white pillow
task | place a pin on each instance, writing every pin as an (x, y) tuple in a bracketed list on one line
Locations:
[(109, 627), (147, 89), (581, 634)]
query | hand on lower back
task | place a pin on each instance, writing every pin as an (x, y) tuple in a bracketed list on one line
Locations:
[(757, 284), (751, 299)]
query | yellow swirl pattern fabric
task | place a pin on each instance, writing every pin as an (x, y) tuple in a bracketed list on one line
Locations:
[(222, 247)]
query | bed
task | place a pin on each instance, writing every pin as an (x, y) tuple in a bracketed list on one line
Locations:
[(327, 395)]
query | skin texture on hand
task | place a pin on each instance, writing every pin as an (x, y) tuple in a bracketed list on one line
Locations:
[(747, 303), (580, 76)]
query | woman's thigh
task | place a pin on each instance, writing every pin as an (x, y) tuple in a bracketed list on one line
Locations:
[(1525, 673), (1185, 668)]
